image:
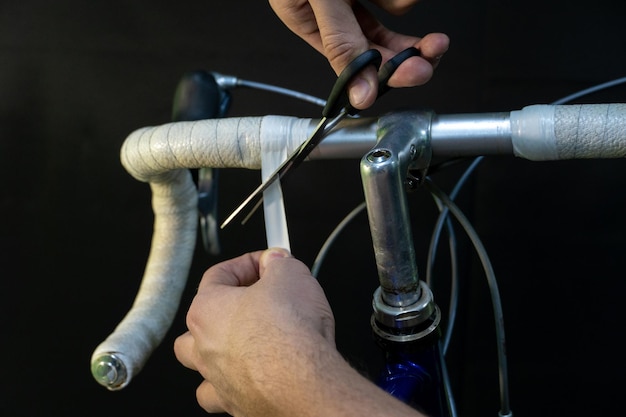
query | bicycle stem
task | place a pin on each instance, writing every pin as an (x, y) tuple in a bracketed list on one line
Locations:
[(405, 319), (403, 142), (404, 309)]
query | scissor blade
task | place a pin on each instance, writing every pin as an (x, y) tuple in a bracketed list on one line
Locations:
[(258, 192), (294, 160), (337, 107)]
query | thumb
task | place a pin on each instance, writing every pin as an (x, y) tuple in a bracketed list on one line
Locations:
[(363, 88), (270, 255), (282, 265)]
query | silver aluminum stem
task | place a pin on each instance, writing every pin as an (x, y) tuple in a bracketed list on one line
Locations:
[(403, 142)]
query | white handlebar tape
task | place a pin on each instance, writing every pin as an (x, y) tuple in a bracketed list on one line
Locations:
[(547, 132), (161, 156), (217, 143), (145, 325)]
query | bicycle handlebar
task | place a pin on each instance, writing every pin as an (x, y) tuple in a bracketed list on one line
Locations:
[(163, 154)]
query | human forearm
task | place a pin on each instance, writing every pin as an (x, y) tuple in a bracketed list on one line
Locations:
[(324, 384)]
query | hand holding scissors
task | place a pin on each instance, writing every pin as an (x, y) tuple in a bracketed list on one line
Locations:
[(337, 108)]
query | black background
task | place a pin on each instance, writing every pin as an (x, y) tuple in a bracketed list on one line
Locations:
[(77, 77)]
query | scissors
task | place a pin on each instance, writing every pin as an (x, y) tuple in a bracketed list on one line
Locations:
[(336, 109)]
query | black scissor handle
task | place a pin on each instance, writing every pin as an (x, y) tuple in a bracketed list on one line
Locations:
[(391, 66), (338, 98)]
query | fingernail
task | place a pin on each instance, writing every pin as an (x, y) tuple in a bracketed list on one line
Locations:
[(271, 253)]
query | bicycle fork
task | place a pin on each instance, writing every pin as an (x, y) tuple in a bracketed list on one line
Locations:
[(406, 319)]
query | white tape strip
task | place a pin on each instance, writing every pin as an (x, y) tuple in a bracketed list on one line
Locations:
[(532, 133), (274, 150)]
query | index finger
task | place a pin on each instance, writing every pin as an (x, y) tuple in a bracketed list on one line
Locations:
[(340, 36)]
